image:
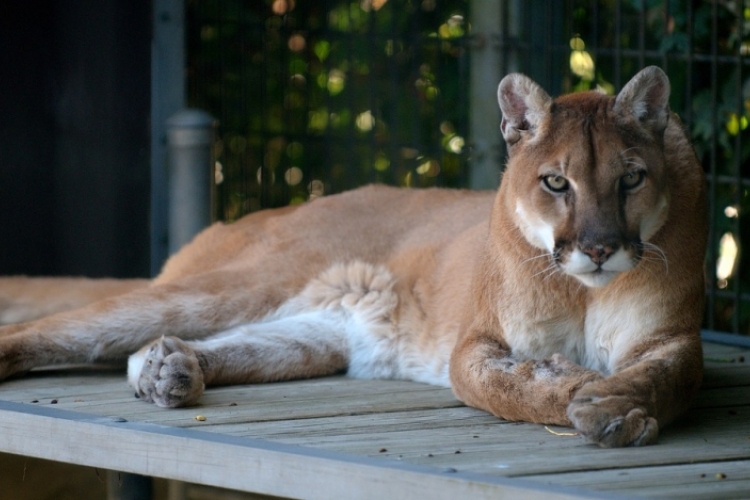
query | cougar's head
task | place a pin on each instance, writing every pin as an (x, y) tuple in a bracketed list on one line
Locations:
[(586, 178)]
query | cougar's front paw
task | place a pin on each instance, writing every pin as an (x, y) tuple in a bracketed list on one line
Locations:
[(612, 421), (167, 373)]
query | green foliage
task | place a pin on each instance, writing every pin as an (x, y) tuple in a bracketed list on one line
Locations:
[(318, 97)]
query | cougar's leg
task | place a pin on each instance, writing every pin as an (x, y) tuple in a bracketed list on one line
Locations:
[(111, 329), (171, 372), (486, 375), (342, 319), (25, 299)]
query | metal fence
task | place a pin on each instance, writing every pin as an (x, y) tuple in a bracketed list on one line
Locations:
[(317, 97)]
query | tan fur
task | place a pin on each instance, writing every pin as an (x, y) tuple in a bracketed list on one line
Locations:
[(575, 306), (24, 298)]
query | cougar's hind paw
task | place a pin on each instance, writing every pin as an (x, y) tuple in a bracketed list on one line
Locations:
[(166, 372)]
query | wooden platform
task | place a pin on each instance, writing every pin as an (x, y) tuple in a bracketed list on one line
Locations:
[(341, 438)]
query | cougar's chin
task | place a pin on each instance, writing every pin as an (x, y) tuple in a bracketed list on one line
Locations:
[(594, 275), (596, 279)]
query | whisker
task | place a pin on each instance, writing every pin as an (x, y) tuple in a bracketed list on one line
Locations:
[(658, 255), (540, 272), (541, 256), (649, 269), (633, 162), (629, 149), (629, 160), (555, 270), (550, 270)]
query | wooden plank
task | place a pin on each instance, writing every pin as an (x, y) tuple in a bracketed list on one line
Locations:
[(708, 481), (399, 421), (402, 424), (517, 449), (283, 401), (721, 350), (723, 397), (726, 375), (241, 463), (731, 339), (108, 394)]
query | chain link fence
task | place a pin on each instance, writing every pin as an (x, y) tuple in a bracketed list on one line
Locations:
[(317, 97)]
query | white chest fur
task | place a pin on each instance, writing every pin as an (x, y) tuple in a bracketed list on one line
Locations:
[(595, 340), (542, 339), (614, 325)]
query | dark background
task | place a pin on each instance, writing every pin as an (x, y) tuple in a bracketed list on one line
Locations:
[(74, 137)]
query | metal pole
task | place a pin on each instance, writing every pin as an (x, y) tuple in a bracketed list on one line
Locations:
[(190, 138), (167, 97), (485, 74)]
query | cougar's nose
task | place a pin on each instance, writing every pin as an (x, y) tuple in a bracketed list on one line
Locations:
[(598, 253)]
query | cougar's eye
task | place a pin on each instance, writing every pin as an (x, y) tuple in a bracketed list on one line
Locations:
[(632, 180), (556, 183)]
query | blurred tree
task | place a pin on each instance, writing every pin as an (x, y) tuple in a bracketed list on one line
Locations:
[(318, 97)]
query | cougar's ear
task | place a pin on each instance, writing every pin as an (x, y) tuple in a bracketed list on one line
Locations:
[(645, 98), (523, 103)]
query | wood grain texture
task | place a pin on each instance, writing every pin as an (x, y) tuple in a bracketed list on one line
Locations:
[(324, 438)]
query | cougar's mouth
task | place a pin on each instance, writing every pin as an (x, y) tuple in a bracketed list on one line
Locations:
[(596, 279), (597, 269)]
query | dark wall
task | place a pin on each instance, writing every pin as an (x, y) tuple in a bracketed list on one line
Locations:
[(26, 137), (74, 137)]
